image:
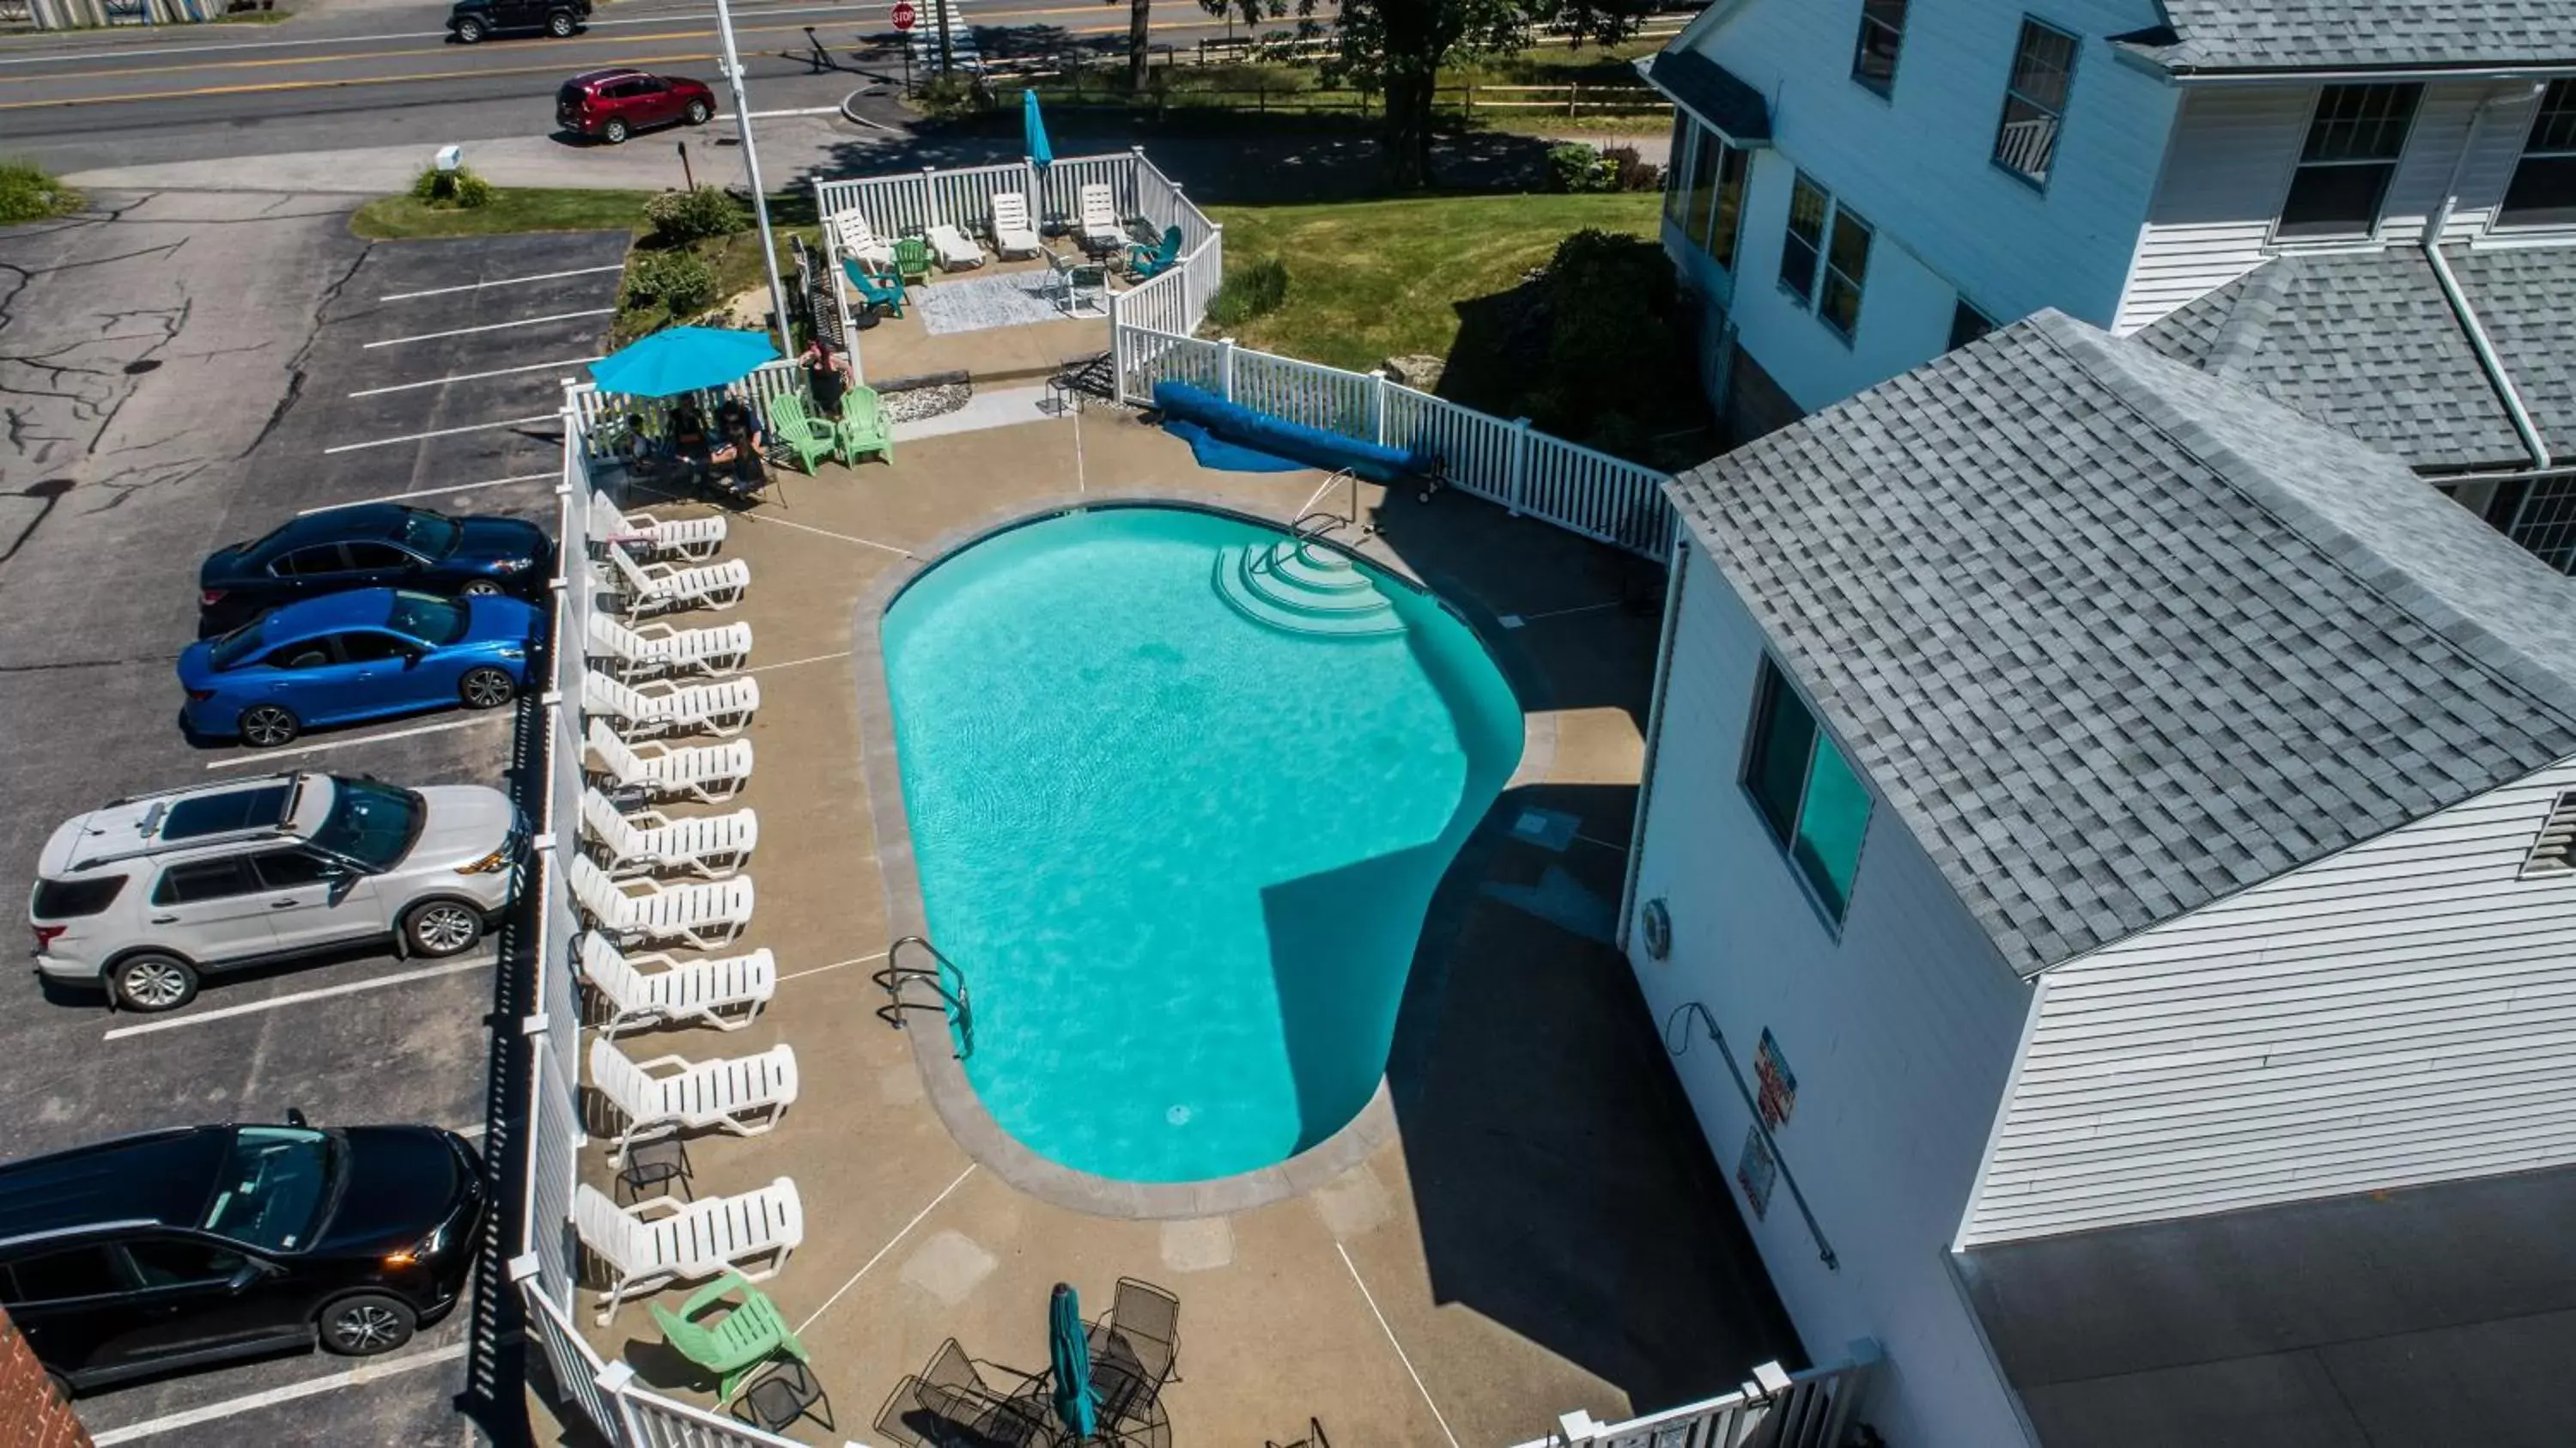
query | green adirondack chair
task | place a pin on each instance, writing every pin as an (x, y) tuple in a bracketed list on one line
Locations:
[(735, 1346), (864, 426), (807, 436), (875, 291), (1145, 263), (912, 259)]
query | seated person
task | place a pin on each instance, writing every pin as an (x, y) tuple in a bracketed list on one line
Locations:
[(690, 442), (740, 439)]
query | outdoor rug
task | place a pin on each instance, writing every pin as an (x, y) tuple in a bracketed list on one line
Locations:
[(1006, 299)]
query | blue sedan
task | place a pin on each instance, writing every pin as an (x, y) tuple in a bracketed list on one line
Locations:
[(354, 656)]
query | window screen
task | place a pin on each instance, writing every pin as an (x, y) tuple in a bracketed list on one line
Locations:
[(2035, 101), (2351, 151)]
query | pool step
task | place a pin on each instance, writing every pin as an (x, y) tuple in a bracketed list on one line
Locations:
[(1304, 589)]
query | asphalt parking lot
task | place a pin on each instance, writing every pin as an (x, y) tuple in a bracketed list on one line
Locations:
[(192, 371)]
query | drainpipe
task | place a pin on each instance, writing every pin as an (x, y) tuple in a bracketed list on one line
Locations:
[(2477, 332)]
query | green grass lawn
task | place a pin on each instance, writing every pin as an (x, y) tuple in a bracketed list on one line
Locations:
[(1375, 279), (513, 209)]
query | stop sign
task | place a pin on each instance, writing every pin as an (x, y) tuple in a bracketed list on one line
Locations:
[(902, 15)]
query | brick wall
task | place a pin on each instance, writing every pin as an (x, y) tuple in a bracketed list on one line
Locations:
[(30, 1415)]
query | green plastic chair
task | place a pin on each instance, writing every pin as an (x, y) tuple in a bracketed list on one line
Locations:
[(738, 1343), (864, 426), (912, 259), (1147, 262), (875, 291), (807, 436)]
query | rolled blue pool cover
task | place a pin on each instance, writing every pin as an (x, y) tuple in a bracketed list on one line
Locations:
[(1313, 446)]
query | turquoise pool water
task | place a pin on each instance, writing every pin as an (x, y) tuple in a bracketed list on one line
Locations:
[(1182, 853)]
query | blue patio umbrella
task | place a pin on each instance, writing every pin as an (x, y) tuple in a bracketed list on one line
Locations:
[(1033, 131), (1077, 1403), (682, 359)]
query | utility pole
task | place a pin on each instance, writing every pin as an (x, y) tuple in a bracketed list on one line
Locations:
[(759, 194), (947, 57)]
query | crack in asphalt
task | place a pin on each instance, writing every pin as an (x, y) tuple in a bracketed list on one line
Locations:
[(295, 364)]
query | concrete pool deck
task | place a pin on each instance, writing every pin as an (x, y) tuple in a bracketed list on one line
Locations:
[(1543, 1229)]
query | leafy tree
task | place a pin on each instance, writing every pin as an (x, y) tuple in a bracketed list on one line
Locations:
[(1397, 48)]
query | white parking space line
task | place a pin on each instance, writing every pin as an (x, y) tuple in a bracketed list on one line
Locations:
[(297, 998), (265, 755), (474, 376), (443, 432), (493, 327), (253, 1402), (432, 493), (792, 663), (584, 271)]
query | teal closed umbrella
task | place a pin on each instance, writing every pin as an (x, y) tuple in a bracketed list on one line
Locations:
[(683, 359), (1077, 1403), (1033, 136)]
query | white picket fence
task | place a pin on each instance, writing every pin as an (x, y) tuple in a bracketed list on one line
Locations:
[(963, 196), (1607, 499), (588, 411)]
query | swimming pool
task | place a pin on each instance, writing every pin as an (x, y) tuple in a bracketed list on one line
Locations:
[(1179, 793)]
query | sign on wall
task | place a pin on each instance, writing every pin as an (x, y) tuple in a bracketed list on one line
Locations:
[(1779, 1094), (1755, 1171)]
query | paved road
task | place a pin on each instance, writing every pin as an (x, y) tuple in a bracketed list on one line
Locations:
[(389, 75), (177, 371)]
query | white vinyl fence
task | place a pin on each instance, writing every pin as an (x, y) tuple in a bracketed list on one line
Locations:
[(1607, 499), (589, 411), (963, 197), (1813, 1409)]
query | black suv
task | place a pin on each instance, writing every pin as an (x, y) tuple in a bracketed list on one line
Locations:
[(471, 20), (196, 1244)]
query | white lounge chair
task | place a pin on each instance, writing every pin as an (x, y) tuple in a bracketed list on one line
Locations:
[(653, 537), (859, 240), (646, 588), (1098, 226), (668, 1095), (1012, 234), (707, 773), (650, 842), (658, 707), (725, 992), (661, 1241), (651, 650), (956, 252), (703, 916)]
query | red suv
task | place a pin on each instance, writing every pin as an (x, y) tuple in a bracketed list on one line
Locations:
[(615, 104)]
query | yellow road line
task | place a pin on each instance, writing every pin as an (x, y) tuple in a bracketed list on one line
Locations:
[(262, 87), (437, 48)]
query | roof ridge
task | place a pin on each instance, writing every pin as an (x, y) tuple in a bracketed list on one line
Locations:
[(2411, 593), (2248, 325)]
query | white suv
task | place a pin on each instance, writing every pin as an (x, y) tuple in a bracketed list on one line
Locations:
[(144, 896)]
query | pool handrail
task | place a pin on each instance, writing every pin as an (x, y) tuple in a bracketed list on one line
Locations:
[(957, 1004)]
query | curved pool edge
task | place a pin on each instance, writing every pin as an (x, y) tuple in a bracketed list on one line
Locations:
[(943, 1076)]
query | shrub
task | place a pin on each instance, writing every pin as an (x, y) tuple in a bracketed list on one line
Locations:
[(1614, 341), (679, 282), (457, 188), (1630, 171), (681, 217), (29, 194), (1574, 166), (1254, 291)]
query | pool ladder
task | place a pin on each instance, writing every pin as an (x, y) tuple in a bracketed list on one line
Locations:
[(947, 981), (1313, 522)]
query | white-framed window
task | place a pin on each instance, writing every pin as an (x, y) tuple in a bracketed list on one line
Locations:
[(1802, 249), (1882, 34), (1704, 189), (2043, 70), (2543, 190), (2354, 140), (1846, 268), (1802, 787)]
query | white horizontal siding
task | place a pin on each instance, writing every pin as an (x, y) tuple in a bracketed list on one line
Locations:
[(1900, 1032), (2225, 172), (2402, 1012), (2492, 157)]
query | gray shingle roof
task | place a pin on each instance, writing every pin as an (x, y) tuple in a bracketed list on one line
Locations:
[(2526, 299), (2114, 638), (2310, 34), (1718, 95), (2364, 342)]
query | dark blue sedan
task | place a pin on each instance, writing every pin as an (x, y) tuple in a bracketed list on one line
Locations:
[(354, 656), (373, 545)]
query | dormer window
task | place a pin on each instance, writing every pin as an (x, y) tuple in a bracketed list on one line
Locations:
[(2543, 192), (2354, 140)]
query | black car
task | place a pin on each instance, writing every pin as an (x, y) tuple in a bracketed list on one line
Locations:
[(471, 20), (373, 545), (196, 1244)]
